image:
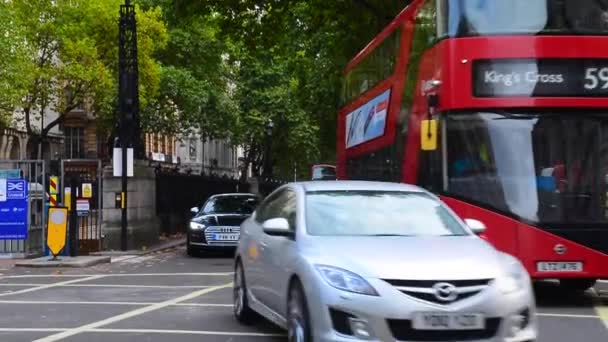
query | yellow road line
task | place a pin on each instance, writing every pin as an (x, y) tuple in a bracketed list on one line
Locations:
[(600, 307)]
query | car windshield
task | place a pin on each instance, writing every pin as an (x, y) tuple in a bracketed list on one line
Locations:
[(378, 213), (531, 17), (544, 168), (230, 205)]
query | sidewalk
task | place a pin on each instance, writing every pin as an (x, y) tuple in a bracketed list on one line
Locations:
[(167, 243), (97, 258)]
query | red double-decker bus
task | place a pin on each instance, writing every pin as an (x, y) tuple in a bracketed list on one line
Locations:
[(501, 108)]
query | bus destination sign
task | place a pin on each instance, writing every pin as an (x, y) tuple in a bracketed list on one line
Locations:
[(540, 78)]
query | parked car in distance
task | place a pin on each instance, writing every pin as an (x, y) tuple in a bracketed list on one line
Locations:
[(359, 261), (216, 225), (323, 172)]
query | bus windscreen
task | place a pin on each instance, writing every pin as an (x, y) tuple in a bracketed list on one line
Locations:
[(465, 18)]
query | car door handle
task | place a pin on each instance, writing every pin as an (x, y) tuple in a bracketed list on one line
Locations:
[(263, 245)]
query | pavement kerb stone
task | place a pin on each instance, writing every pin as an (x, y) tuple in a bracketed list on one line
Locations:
[(84, 261), (158, 248)]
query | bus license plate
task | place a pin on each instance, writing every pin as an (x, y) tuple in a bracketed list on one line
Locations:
[(226, 237), (559, 266), (448, 321)]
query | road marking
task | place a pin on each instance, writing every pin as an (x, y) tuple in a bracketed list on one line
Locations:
[(116, 275), (35, 302), (600, 308), (603, 313), (119, 286), (186, 332), (31, 330), (148, 331), (541, 314), (39, 287), (130, 314)]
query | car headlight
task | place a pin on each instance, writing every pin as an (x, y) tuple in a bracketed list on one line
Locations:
[(196, 226), (345, 280), (514, 279)]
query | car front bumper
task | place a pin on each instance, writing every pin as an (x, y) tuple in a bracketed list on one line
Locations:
[(201, 239), (388, 317)]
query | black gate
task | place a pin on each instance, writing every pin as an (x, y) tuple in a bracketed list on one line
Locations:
[(86, 175)]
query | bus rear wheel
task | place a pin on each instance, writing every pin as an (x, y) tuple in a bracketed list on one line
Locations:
[(579, 285)]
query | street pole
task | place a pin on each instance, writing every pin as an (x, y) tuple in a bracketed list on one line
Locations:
[(128, 98)]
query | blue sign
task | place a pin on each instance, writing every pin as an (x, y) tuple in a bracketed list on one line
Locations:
[(368, 121), (6, 174), (13, 209)]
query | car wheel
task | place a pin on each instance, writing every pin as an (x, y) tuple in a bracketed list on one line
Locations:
[(242, 311), (578, 285), (298, 319)]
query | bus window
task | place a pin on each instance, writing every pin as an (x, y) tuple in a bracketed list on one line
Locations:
[(463, 18)]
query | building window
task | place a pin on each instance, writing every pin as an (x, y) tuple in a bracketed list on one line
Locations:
[(74, 143)]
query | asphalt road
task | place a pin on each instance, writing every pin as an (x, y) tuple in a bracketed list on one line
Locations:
[(169, 296)]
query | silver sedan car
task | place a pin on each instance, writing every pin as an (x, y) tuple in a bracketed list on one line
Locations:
[(365, 261)]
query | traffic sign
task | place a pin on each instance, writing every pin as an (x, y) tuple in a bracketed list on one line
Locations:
[(53, 182), (57, 230), (83, 207), (53, 200), (10, 174), (87, 190), (13, 209)]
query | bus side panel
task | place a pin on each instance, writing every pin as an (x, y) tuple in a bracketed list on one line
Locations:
[(532, 245), (539, 245), (501, 230)]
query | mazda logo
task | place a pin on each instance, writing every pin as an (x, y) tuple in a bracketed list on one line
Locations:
[(445, 292), (560, 249)]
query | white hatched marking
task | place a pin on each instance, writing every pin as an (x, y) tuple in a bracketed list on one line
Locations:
[(212, 274), (126, 286), (144, 331), (130, 314), (35, 302), (38, 287)]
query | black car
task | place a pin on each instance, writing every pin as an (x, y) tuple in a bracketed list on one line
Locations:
[(217, 224)]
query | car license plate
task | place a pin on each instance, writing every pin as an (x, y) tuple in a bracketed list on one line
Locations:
[(551, 266), (448, 321), (226, 237)]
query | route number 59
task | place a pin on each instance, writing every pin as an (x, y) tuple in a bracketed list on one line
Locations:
[(593, 76)]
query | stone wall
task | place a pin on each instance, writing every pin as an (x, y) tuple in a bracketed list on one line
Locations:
[(143, 223)]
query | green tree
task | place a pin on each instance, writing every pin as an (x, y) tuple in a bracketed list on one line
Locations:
[(75, 56), (312, 40), (13, 63), (285, 61)]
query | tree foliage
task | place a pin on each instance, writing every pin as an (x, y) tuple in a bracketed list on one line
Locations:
[(305, 44), (72, 58)]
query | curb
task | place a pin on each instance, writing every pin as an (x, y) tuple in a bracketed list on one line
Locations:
[(65, 263), (166, 246)]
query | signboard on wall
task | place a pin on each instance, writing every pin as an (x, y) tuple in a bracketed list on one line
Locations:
[(367, 122)]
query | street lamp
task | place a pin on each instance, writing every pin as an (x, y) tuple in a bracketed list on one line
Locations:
[(267, 157)]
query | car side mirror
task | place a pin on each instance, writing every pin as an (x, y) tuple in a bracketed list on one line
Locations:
[(194, 210), (476, 226), (277, 227)]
